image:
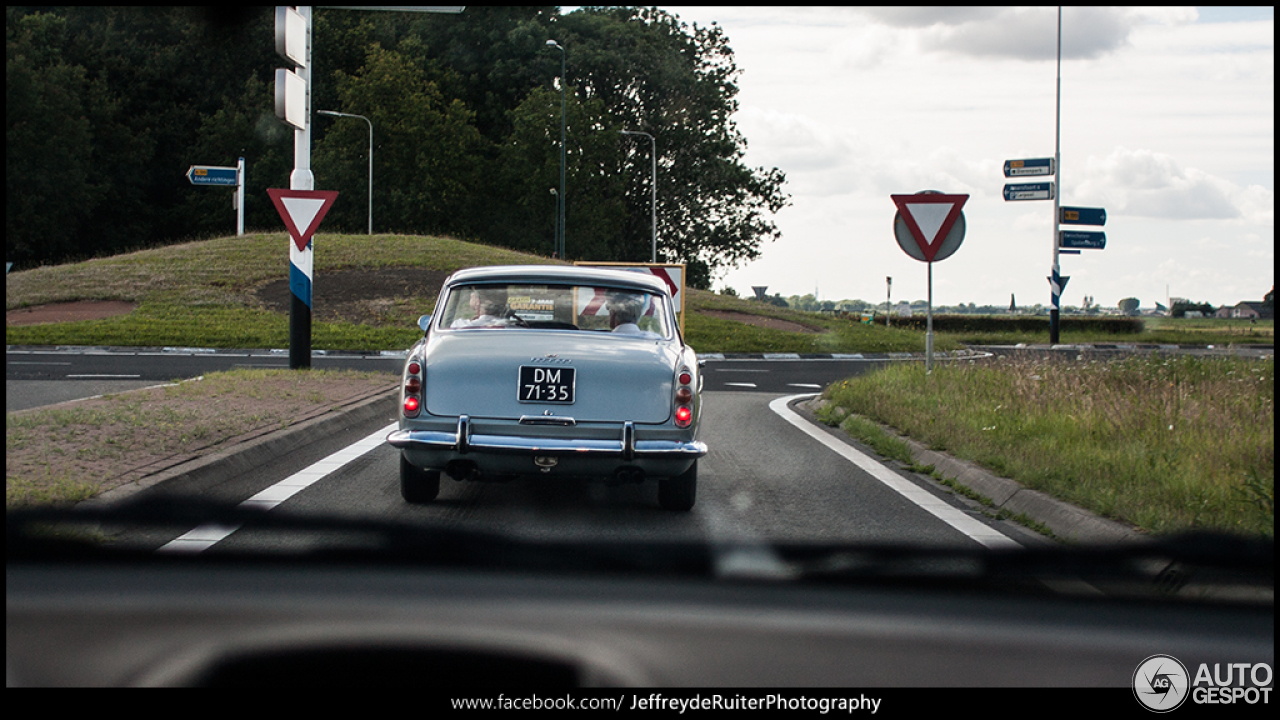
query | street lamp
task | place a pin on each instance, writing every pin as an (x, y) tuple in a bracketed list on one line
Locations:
[(339, 114), (560, 197), (653, 187), (555, 223)]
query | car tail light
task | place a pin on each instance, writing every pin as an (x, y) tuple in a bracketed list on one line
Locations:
[(684, 398), (411, 390)]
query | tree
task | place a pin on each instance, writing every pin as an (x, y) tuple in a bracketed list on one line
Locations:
[(658, 75), (1181, 307), (48, 189), (108, 106), (425, 143)]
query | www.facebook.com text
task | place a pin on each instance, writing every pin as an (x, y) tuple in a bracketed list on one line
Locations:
[(658, 701)]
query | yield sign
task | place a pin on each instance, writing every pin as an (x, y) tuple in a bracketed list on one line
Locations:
[(930, 218), (302, 211)]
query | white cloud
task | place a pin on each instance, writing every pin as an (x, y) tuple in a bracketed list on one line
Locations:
[(1167, 122), (1024, 33), (1155, 185)]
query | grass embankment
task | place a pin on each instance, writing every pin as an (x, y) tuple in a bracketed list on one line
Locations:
[(1162, 443), (202, 294)]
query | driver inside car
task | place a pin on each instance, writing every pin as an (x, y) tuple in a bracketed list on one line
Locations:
[(488, 305)]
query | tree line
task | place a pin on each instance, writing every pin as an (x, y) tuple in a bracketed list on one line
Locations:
[(107, 107)]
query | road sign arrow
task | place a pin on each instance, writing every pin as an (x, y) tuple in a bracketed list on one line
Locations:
[(1029, 191), (1082, 239), (1027, 168), (210, 175), (1083, 216), (302, 211), (929, 218)]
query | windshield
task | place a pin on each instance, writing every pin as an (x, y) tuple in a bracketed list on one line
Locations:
[(608, 333), (621, 311)]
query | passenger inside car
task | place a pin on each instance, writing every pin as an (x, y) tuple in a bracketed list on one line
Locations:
[(624, 311)]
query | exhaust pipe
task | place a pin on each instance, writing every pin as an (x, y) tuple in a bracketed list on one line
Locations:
[(628, 475), (462, 470)]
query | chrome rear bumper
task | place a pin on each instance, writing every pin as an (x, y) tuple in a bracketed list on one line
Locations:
[(626, 447)]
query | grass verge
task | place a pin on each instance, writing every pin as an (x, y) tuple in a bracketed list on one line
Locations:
[(1162, 443), (70, 452)]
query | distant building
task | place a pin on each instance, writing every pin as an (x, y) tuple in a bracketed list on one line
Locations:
[(1249, 309)]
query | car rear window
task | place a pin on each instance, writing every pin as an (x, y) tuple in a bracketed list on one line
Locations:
[(587, 308)]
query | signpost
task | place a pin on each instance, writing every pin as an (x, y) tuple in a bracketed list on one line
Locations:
[(1029, 191), (209, 175), (293, 105), (302, 211), (1082, 239), (1028, 168), (1082, 216), (216, 176), (929, 226), (1046, 191)]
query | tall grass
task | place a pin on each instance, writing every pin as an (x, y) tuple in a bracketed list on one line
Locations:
[(1163, 443)]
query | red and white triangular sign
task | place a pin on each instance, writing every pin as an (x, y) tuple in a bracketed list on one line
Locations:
[(302, 211), (929, 217)]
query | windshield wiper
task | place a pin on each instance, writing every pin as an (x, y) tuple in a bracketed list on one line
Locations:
[(1194, 565), (83, 533), (1188, 565)]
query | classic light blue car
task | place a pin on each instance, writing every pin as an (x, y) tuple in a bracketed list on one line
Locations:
[(552, 372)]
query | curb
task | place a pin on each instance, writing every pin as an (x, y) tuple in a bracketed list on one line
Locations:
[(1067, 522), (205, 473)]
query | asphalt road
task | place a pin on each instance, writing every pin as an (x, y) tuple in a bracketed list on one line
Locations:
[(764, 481), (37, 377)]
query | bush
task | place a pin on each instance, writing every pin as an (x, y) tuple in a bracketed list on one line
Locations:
[(1017, 324)]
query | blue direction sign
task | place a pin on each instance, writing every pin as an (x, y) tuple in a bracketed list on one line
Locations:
[(206, 175), (1027, 168), (1083, 216), (1029, 191), (1082, 239)]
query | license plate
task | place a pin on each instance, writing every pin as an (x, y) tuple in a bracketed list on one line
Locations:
[(546, 385)]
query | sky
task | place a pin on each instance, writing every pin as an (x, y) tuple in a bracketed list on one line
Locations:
[(1167, 123)]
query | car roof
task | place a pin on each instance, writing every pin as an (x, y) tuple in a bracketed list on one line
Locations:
[(559, 274)]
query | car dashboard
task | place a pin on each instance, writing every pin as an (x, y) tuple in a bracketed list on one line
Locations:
[(178, 623)]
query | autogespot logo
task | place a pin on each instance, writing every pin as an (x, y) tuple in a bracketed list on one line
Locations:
[(1160, 683)]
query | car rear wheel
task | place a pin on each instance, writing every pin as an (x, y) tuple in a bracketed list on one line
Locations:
[(678, 493), (418, 485)]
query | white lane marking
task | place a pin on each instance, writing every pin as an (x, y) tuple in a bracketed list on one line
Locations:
[(210, 534), (921, 497), (805, 385), (748, 385), (103, 377)]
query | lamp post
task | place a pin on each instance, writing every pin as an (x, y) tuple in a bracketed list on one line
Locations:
[(560, 197), (339, 114), (555, 223), (653, 188)]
